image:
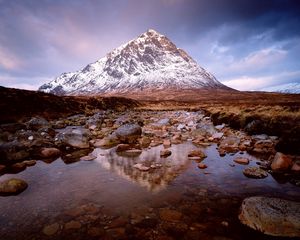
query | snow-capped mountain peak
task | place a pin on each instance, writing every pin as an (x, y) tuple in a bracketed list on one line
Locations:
[(293, 87), (149, 61)]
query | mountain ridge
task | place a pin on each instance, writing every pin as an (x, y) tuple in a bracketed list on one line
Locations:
[(150, 61)]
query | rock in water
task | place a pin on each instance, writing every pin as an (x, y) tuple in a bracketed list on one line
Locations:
[(197, 154), (37, 123), (76, 137), (281, 162), (165, 153), (272, 216), (241, 160), (255, 172), (129, 133), (50, 153), (12, 186)]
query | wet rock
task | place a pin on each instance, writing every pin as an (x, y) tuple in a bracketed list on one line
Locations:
[(129, 133), (13, 151), (50, 230), (255, 172), (141, 167), (88, 158), (50, 153), (167, 143), (241, 160), (202, 166), (76, 137), (18, 167), (254, 127), (170, 215), (222, 152), (180, 127), (259, 137), (12, 186), (220, 127), (281, 162), (230, 144), (197, 154), (36, 123), (59, 124), (145, 142), (165, 153), (217, 135), (29, 163), (272, 216), (163, 122), (263, 146), (205, 129), (72, 225), (95, 121), (296, 166), (123, 147), (107, 142), (176, 139)]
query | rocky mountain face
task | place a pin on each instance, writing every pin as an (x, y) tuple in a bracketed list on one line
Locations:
[(150, 61)]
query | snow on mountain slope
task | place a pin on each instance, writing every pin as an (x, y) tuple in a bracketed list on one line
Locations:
[(149, 61), (284, 88)]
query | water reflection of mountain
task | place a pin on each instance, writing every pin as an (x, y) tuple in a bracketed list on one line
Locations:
[(154, 179)]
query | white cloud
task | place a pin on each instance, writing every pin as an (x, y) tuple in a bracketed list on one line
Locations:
[(245, 83), (8, 61), (29, 83), (259, 59)]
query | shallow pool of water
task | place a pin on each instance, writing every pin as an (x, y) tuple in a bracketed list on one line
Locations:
[(112, 183)]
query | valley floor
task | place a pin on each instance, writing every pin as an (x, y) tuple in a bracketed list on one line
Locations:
[(112, 168)]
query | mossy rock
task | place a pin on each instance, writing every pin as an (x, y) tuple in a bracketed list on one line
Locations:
[(12, 186)]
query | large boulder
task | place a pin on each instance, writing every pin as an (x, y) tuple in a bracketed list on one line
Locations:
[(205, 129), (229, 144), (272, 216), (163, 122), (12, 186), (281, 162), (36, 123), (77, 137), (95, 121), (128, 133)]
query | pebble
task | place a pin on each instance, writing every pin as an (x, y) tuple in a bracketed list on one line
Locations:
[(243, 161), (202, 166), (72, 225), (88, 158), (165, 153), (50, 230)]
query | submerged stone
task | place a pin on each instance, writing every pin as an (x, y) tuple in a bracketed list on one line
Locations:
[(272, 216), (255, 172), (12, 186)]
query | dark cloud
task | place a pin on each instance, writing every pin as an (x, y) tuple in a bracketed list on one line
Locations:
[(46, 37)]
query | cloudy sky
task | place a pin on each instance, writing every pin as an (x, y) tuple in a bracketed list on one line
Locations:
[(247, 45)]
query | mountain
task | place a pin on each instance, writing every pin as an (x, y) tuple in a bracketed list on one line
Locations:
[(151, 61), (284, 88)]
